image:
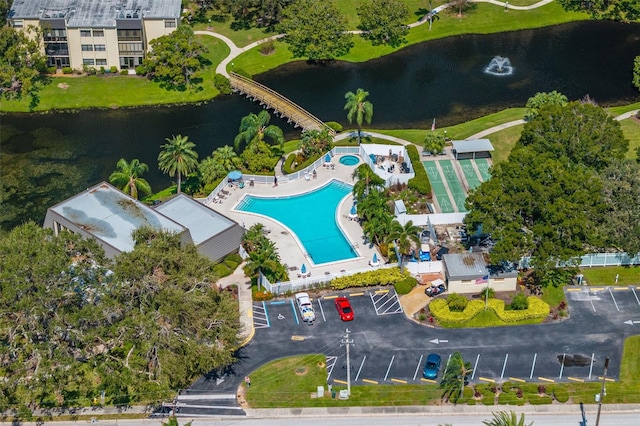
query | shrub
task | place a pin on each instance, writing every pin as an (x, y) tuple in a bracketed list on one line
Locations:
[(287, 167), (405, 286), (457, 302), (141, 70), (267, 48), (535, 399), (334, 125), (420, 182), (235, 257), (67, 70), (262, 295), (91, 71), (124, 72), (113, 69), (51, 70), (222, 84), (231, 264), (487, 293), (519, 302), (221, 270), (379, 277), (440, 310), (542, 389), (102, 70)]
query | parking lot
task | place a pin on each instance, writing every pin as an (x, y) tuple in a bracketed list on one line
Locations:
[(387, 348)]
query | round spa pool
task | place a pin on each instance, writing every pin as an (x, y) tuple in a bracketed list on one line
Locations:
[(349, 160)]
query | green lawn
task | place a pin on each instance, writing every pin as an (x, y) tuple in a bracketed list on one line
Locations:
[(290, 382), (627, 275), (631, 130)]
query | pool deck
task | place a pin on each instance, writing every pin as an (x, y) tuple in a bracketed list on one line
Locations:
[(290, 250)]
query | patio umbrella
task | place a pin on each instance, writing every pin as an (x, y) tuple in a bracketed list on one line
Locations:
[(375, 257), (303, 270), (327, 158), (235, 175), (354, 212)]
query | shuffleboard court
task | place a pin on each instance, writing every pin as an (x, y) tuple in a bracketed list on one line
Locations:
[(455, 187), (483, 168), (470, 173), (437, 185)]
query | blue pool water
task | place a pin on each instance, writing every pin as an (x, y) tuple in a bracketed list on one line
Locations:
[(312, 216), (349, 160)]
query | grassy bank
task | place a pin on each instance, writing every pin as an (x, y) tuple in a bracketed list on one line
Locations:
[(290, 382)]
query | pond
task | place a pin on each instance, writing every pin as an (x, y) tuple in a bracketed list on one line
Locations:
[(443, 79)]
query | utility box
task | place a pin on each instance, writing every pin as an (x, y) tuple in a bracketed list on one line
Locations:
[(320, 391), (344, 394)]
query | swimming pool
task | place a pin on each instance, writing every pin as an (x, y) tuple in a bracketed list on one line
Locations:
[(312, 217), (349, 160)]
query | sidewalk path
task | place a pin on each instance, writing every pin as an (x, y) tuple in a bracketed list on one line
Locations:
[(245, 301)]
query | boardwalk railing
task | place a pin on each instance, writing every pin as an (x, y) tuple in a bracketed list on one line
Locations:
[(280, 105)]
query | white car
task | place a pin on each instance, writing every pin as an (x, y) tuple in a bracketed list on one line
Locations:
[(305, 307)]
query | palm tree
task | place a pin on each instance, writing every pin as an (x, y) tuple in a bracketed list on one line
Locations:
[(365, 177), (503, 418), (405, 237), (256, 127), (127, 177), (226, 157), (454, 377), (178, 157), (359, 108)]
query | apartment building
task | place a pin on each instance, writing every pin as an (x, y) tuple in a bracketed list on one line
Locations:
[(96, 33)]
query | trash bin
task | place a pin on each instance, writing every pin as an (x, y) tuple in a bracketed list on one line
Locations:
[(333, 394)]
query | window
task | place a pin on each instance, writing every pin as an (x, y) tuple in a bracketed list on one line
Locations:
[(169, 23), (99, 47), (98, 33), (129, 35), (18, 23), (101, 62), (54, 34), (87, 48), (88, 62), (126, 48), (85, 33)]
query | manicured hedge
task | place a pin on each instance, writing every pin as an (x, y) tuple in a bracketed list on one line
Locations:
[(235, 257), (405, 286), (420, 182), (221, 270), (439, 308), (378, 277), (231, 264)]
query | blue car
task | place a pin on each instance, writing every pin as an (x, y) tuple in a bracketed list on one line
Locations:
[(432, 366)]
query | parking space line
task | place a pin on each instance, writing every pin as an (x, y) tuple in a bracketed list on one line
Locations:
[(515, 379), (593, 355), (372, 382), (322, 311), (592, 305), (574, 289), (446, 367), (635, 295), (428, 380), (475, 367), (335, 296), (564, 356), (418, 367), (297, 338), (331, 363), (504, 365), (614, 299), (260, 316), (533, 365), (608, 379), (277, 302), (575, 379), (399, 381), (382, 308), (356, 294), (596, 288), (342, 382), (389, 368), (544, 379), (361, 365), (295, 314), (381, 291), (484, 379), (620, 288)]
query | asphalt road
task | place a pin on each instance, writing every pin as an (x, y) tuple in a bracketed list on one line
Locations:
[(389, 348)]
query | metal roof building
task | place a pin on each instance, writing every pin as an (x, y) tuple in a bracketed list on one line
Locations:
[(110, 216), (475, 148)]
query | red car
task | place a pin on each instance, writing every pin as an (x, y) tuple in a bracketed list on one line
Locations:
[(344, 309)]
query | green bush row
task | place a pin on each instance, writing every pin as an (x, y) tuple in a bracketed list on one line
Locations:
[(288, 164), (405, 286), (287, 167), (420, 182), (222, 84), (440, 311), (221, 270), (379, 277), (439, 308), (537, 309)]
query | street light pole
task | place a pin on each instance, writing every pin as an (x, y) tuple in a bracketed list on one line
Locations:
[(347, 342), (602, 390)]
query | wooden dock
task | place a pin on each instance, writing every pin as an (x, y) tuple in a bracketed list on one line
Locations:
[(279, 104)]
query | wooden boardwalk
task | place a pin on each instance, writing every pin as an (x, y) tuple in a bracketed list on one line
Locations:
[(281, 106)]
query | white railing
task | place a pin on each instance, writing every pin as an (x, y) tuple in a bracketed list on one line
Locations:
[(313, 282)]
